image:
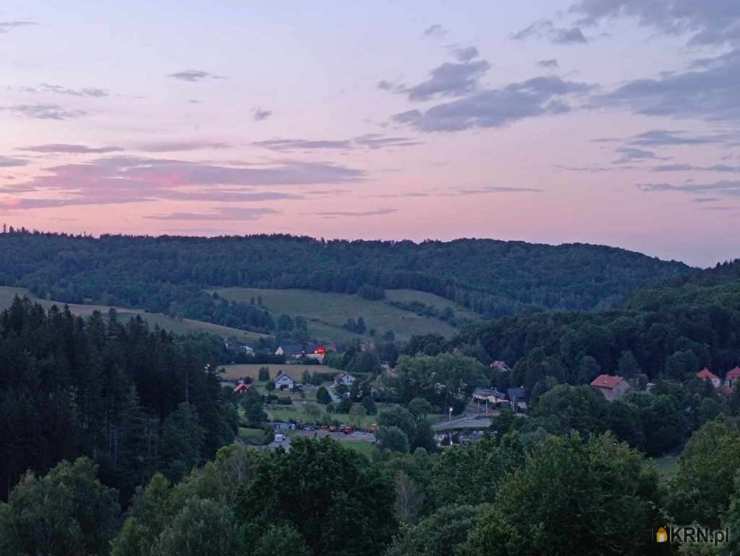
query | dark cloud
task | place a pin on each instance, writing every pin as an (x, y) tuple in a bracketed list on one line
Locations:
[(709, 22), (586, 169), (91, 92), (496, 189), (719, 168), (44, 111), (661, 137), (304, 144), (546, 29), (370, 140), (222, 213), (260, 114), (378, 141), (193, 76), (497, 107), (375, 212), (63, 148), (465, 54), (7, 162), (449, 79), (435, 31), (551, 63), (122, 179), (391, 86), (708, 92), (7, 26), (180, 146), (632, 154), (724, 188)]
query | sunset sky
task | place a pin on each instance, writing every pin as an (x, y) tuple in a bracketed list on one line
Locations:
[(600, 121)]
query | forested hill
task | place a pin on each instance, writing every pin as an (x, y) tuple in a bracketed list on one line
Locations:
[(168, 274), (669, 331)]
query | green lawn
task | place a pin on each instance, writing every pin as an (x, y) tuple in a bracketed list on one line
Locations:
[(296, 413), (252, 436), (364, 448), (440, 303), (327, 312), (174, 325), (236, 372)]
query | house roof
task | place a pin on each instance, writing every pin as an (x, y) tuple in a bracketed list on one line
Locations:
[(734, 374), (488, 392), (516, 394), (291, 349), (282, 375), (607, 382), (706, 374)]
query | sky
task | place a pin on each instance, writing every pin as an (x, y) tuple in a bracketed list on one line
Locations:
[(614, 122)]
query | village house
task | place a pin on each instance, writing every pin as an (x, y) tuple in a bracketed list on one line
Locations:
[(517, 398), (283, 382), (732, 377), (242, 387), (290, 350), (344, 379), (316, 352), (489, 396), (708, 376), (500, 366), (612, 387)]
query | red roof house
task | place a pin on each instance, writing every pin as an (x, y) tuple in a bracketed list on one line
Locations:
[(241, 388), (611, 386), (732, 377), (708, 376)]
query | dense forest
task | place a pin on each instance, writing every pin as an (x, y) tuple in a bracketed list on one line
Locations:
[(169, 274), (134, 400), (660, 332)]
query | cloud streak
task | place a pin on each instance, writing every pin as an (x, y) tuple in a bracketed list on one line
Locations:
[(546, 29), (64, 148), (8, 162), (221, 214), (7, 26), (370, 141), (193, 75), (122, 179), (44, 111)]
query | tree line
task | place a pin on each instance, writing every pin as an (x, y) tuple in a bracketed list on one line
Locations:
[(513, 494), (168, 274), (134, 400)]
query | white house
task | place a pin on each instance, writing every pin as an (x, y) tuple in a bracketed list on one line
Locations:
[(283, 382), (344, 378)]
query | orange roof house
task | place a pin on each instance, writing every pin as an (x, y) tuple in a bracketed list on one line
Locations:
[(611, 386), (708, 376)]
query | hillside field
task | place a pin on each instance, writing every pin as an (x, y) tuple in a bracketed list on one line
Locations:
[(327, 312), (171, 324), (235, 372)]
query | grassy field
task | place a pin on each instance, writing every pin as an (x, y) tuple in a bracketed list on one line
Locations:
[(439, 303), (364, 448), (296, 413), (327, 312), (177, 326), (234, 372)]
